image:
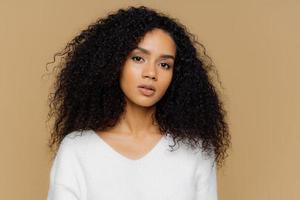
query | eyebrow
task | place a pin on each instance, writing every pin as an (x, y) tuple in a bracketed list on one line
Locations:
[(148, 52)]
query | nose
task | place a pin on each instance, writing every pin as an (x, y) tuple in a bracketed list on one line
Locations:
[(149, 71)]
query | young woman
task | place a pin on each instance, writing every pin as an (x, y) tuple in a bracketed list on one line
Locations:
[(132, 87)]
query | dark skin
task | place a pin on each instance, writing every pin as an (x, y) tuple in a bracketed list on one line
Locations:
[(136, 133)]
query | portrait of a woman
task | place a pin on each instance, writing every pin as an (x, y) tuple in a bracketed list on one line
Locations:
[(137, 116)]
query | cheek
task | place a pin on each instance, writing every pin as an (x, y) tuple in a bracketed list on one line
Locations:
[(128, 76), (166, 81)]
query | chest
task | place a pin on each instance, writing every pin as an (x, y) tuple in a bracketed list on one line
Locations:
[(131, 149), (166, 176), (147, 183)]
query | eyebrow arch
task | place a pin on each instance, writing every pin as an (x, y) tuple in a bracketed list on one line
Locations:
[(148, 52)]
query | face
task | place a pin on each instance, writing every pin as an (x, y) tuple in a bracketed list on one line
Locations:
[(150, 65)]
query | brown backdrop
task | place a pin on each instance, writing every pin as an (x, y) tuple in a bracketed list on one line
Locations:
[(255, 45)]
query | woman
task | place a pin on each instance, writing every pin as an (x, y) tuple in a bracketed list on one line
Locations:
[(133, 85)]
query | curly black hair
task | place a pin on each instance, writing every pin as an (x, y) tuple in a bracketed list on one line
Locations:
[(87, 93)]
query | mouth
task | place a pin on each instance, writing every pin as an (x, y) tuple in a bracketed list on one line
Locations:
[(146, 90)]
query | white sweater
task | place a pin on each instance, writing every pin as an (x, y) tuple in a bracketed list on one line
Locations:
[(88, 168)]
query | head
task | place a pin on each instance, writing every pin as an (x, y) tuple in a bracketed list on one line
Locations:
[(149, 65), (104, 65)]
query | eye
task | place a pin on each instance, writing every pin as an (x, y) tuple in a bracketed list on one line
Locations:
[(165, 65), (136, 58)]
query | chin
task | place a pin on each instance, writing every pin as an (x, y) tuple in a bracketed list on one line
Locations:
[(147, 104), (143, 102)]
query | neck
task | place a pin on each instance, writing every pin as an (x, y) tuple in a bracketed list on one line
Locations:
[(137, 121)]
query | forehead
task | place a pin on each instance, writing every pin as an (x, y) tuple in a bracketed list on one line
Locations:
[(157, 41)]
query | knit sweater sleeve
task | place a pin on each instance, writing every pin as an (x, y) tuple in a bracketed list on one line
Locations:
[(63, 183), (206, 186)]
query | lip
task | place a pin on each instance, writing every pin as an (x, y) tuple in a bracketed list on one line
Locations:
[(147, 90), (151, 87)]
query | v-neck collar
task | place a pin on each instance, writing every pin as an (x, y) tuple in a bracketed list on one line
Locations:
[(121, 157)]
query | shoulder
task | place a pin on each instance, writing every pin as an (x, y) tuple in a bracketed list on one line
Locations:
[(194, 157), (77, 138), (197, 153), (78, 135), (75, 143), (72, 149)]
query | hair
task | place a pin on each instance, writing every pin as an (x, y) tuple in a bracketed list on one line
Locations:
[(87, 94)]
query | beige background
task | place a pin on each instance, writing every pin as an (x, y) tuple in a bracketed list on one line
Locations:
[(254, 44)]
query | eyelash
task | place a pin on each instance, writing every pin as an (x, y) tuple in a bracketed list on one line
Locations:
[(142, 58)]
